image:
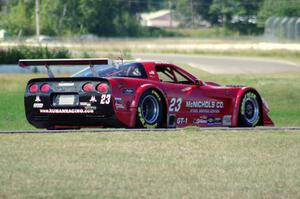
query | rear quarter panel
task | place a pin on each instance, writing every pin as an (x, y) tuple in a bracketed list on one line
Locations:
[(126, 93)]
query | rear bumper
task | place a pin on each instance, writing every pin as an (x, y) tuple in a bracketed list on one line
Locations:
[(73, 121)]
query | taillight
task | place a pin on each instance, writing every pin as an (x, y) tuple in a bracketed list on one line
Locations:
[(102, 88), (45, 88), (88, 87), (33, 88)]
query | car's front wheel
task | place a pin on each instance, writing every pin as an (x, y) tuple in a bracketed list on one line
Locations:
[(149, 111), (249, 115)]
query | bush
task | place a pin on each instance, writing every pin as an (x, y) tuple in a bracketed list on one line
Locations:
[(12, 55)]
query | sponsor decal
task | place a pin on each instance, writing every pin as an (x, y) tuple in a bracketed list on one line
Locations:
[(38, 105), (204, 110), (201, 120), (214, 121), (141, 117), (128, 91), (105, 99), (210, 120), (204, 104), (85, 104), (175, 104), (227, 120), (93, 99), (118, 103), (64, 111), (182, 120), (37, 99), (218, 121), (156, 94), (143, 121), (90, 107), (118, 99), (151, 72), (120, 106)]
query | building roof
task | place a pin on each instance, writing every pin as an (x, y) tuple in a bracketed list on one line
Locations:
[(154, 15)]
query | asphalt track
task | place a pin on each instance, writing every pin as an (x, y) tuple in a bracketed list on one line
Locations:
[(225, 64), (203, 129)]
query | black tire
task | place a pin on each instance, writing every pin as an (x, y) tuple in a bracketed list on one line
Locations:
[(149, 110), (250, 111)]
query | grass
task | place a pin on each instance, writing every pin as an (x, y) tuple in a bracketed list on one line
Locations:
[(185, 164), (12, 55), (12, 113), (200, 42), (212, 33), (288, 55), (281, 91)]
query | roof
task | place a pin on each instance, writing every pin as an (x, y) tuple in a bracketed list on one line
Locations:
[(154, 15)]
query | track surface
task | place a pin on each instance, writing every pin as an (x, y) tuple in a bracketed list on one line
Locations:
[(221, 129), (225, 64)]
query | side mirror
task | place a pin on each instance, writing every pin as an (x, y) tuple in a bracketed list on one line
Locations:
[(198, 82)]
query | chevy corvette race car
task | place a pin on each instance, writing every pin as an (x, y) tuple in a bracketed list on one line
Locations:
[(141, 94)]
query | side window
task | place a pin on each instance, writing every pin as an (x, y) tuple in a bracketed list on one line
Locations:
[(135, 70), (182, 79), (165, 74)]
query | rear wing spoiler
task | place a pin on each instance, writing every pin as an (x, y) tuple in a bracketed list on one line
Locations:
[(64, 62)]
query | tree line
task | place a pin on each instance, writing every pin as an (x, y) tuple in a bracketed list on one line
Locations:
[(119, 18)]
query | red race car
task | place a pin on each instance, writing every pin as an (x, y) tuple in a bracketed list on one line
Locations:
[(137, 94)]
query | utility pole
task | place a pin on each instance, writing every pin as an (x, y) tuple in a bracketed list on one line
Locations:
[(171, 14), (37, 19), (192, 12)]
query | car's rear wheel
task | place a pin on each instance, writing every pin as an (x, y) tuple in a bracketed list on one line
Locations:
[(249, 115), (149, 112)]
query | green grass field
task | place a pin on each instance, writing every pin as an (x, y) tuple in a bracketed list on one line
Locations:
[(282, 92), (184, 164)]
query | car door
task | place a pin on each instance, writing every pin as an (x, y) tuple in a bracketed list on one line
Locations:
[(201, 105), (176, 93)]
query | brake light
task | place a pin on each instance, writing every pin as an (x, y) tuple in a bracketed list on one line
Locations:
[(45, 88), (33, 88), (88, 87), (102, 88)]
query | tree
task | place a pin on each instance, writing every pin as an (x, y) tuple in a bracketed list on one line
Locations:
[(288, 8), (59, 18), (237, 15), (192, 8), (108, 18), (18, 21)]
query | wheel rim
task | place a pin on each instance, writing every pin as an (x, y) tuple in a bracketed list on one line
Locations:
[(251, 110), (150, 109)]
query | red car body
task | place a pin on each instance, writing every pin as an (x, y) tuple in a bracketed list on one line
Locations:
[(185, 100)]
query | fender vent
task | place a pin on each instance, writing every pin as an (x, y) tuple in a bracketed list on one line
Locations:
[(171, 121)]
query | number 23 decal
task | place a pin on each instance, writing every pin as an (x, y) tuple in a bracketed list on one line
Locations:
[(105, 99), (175, 104)]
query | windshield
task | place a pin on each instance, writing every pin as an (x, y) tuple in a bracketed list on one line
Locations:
[(132, 69)]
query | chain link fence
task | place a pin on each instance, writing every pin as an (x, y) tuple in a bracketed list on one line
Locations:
[(282, 28)]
